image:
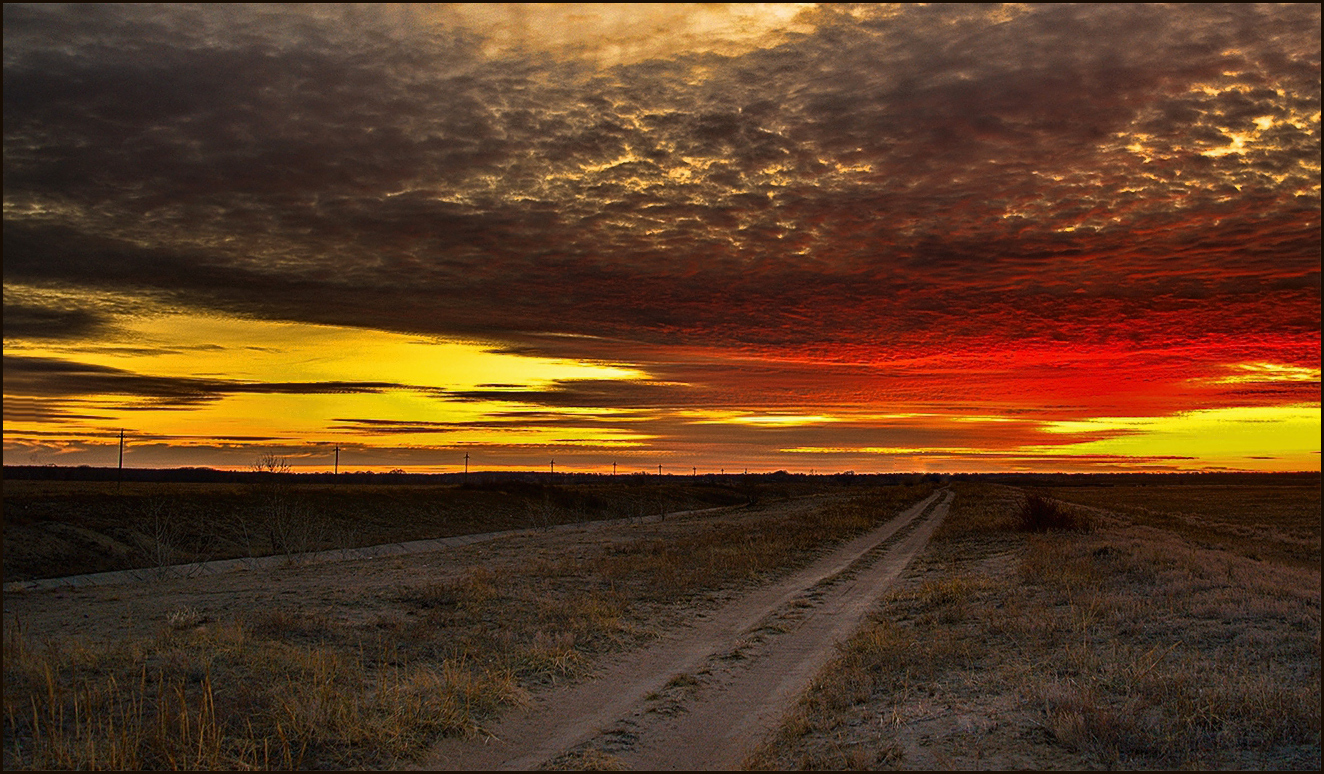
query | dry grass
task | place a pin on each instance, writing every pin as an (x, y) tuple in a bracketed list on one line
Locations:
[(668, 570), (286, 690), (55, 528), (227, 697), (1126, 647), (1277, 521)]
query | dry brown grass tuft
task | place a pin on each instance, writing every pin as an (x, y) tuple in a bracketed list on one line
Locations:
[(222, 697), (587, 759)]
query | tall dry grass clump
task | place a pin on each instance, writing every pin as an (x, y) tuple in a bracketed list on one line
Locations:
[(223, 698)]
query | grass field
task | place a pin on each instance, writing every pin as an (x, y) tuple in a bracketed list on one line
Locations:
[(1151, 625), (58, 528), (1177, 628), (438, 656), (1278, 522)]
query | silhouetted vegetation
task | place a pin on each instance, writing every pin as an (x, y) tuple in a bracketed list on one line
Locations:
[(1042, 514)]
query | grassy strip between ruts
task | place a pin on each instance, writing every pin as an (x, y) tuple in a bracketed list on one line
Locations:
[(1123, 646), (303, 691)]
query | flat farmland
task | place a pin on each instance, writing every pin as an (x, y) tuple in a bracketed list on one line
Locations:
[(915, 626), (370, 662), (1279, 520), (59, 528), (1179, 627)]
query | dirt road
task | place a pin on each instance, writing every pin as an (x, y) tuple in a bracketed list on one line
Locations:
[(701, 697)]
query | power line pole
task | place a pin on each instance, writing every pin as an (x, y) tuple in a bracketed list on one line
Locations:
[(466, 468), (659, 470), (336, 470), (119, 477), (613, 468)]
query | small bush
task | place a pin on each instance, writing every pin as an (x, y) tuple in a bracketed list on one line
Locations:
[(1041, 514)]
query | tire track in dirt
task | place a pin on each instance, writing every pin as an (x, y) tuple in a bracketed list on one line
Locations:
[(700, 697)]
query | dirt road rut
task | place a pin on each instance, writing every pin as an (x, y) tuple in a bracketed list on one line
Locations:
[(701, 697)]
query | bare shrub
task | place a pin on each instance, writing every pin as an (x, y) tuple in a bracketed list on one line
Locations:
[(1043, 514), (166, 540), (290, 526), (160, 547), (542, 513)]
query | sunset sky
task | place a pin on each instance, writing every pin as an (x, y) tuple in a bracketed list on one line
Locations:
[(756, 236)]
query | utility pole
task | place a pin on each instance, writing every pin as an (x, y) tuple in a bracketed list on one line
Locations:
[(119, 477), (694, 472), (466, 468), (336, 470), (553, 467), (659, 471), (613, 468)]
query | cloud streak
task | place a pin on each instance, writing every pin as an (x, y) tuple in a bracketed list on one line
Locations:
[(49, 377)]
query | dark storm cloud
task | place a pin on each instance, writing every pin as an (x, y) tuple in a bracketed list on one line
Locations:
[(18, 409), (498, 420), (24, 321), (51, 377), (886, 179), (591, 393)]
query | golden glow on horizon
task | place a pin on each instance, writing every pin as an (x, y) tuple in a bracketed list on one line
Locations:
[(908, 451), (414, 407), (759, 420), (977, 418), (1270, 372), (1231, 436), (411, 406), (1245, 438), (186, 344)]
